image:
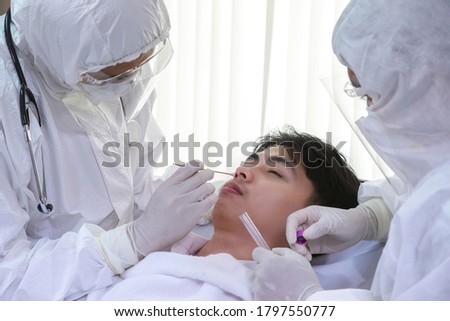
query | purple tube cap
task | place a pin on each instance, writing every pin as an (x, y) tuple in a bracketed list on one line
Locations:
[(300, 239)]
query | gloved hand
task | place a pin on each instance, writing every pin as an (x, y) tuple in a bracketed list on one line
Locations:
[(330, 229), (282, 274), (172, 211)]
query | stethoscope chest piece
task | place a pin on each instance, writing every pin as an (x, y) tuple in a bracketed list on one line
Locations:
[(45, 208)]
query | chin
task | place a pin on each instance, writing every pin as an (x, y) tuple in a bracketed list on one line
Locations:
[(225, 209), (227, 204)]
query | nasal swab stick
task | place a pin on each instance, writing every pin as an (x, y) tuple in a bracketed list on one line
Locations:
[(219, 172), (251, 228)]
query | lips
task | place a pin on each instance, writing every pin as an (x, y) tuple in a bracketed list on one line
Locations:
[(233, 188)]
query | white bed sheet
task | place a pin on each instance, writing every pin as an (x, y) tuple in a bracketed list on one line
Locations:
[(179, 276)]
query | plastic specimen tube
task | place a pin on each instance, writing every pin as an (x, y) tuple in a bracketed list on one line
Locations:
[(251, 228)]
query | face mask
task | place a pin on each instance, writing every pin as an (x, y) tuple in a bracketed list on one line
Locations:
[(112, 91), (107, 92)]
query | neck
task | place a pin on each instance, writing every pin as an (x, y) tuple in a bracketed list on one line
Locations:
[(239, 246)]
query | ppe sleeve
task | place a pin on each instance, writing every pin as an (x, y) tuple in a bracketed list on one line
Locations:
[(62, 269), (380, 217), (393, 192), (65, 268)]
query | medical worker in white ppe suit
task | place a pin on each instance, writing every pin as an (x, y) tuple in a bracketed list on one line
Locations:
[(398, 54), (91, 66)]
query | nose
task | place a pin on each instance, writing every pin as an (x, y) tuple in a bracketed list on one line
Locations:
[(244, 173)]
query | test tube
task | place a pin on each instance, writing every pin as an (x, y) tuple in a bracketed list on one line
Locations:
[(251, 228)]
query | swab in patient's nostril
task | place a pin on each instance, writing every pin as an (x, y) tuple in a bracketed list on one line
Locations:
[(219, 172)]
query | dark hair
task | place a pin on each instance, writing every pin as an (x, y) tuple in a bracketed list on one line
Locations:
[(335, 182)]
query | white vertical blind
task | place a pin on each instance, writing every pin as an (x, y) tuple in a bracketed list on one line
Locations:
[(244, 67)]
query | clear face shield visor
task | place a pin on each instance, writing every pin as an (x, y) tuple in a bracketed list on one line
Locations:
[(156, 58), (352, 103), (138, 77)]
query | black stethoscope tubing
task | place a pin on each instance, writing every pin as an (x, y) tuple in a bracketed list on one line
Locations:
[(26, 93)]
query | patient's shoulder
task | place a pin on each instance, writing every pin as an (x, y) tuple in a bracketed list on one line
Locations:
[(190, 244)]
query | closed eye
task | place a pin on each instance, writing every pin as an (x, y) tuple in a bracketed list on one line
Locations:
[(275, 173)]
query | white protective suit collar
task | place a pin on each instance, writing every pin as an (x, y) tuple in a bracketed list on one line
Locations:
[(90, 35), (400, 50)]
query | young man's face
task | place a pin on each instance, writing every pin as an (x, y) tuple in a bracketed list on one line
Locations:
[(269, 187)]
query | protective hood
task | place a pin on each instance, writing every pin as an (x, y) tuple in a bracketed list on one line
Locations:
[(66, 38), (400, 53)]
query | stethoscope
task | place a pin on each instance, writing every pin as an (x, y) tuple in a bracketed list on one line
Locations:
[(43, 206)]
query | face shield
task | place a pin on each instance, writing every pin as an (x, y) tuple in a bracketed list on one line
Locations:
[(130, 70), (403, 56), (353, 104), (141, 74)]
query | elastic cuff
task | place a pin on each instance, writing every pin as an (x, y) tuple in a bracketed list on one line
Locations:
[(117, 249)]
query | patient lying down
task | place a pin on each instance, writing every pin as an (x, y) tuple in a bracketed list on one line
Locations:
[(286, 172)]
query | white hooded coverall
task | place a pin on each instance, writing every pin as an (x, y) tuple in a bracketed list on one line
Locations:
[(55, 256), (400, 53)]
